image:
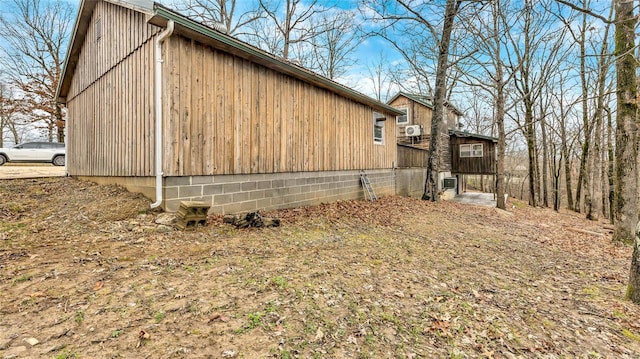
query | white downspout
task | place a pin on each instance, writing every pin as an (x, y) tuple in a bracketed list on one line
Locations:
[(158, 107)]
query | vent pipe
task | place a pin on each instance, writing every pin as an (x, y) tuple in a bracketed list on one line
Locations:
[(219, 27)]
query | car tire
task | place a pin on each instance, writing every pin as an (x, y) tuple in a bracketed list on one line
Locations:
[(3, 160), (58, 160)]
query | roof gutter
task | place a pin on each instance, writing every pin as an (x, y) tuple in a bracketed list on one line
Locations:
[(158, 110)]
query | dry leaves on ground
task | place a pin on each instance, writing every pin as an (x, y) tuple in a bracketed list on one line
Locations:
[(85, 270)]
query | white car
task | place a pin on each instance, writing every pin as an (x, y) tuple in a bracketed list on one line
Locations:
[(51, 152)]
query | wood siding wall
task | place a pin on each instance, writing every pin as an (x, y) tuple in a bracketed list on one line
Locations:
[(473, 165), (415, 151), (110, 122), (420, 115), (412, 157), (226, 115)]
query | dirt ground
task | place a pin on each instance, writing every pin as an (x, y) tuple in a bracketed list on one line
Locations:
[(30, 170), (87, 272)]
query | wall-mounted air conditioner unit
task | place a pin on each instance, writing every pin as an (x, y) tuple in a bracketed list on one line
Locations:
[(411, 131), (450, 182)]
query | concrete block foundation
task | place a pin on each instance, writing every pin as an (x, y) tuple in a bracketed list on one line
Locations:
[(228, 194)]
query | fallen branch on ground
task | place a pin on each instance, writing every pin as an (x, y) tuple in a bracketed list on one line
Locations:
[(253, 219)]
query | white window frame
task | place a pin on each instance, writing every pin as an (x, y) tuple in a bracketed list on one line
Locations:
[(471, 150), (378, 122), (406, 116)]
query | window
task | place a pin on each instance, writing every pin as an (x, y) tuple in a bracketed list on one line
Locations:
[(403, 119), (471, 150), (98, 29), (378, 128)]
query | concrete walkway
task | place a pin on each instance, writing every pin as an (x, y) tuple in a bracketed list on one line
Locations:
[(14, 171), (476, 198)]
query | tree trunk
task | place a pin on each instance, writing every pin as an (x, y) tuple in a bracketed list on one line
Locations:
[(610, 170), (500, 185), (60, 123), (557, 198), (500, 188), (531, 152), (583, 176), (633, 288), (626, 190), (567, 166), (595, 207), (437, 120), (626, 184), (545, 162), (604, 188)]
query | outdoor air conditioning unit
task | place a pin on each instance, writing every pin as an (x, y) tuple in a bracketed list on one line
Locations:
[(411, 131), (450, 183)]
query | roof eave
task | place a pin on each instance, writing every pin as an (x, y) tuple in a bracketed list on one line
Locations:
[(82, 23), (472, 135)]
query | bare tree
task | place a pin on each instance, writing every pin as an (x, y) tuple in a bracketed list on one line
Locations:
[(543, 104), (565, 134), (287, 23), (439, 93), (410, 20), (595, 204), (583, 178), (225, 12), (489, 29), (34, 33), (333, 48), (381, 76), (413, 29), (8, 114), (535, 52), (611, 166)]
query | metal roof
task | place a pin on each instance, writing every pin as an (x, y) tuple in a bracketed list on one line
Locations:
[(471, 135)]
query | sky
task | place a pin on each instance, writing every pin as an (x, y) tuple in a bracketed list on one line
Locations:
[(371, 49)]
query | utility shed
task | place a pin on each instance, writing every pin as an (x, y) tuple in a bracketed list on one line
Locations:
[(238, 128), (472, 153)]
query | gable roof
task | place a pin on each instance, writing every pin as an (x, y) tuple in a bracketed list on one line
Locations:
[(426, 101), (159, 15), (80, 33)]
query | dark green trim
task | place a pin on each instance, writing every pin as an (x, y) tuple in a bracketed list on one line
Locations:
[(471, 135)]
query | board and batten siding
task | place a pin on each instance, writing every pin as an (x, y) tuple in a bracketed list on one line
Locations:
[(473, 165), (227, 115), (110, 124)]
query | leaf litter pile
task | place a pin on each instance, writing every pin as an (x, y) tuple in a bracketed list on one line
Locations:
[(87, 271)]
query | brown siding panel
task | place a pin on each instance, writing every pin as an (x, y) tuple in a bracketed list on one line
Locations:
[(108, 113), (222, 114), (412, 157), (473, 165), (271, 122)]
